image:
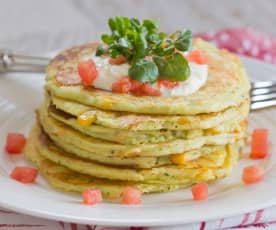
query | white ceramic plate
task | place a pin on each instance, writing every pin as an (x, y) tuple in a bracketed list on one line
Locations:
[(20, 94)]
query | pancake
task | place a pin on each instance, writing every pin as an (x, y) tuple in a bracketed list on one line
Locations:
[(56, 129), (172, 174), (66, 180), (131, 121), (205, 153), (227, 85), (145, 136)]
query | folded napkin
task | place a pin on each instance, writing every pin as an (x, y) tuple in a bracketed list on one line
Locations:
[(238, 40)]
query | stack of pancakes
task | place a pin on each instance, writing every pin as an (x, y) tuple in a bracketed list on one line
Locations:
[(156, 144)]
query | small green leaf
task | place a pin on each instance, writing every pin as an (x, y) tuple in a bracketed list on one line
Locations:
[(151, 25), (135, 23), (154, 38), (184, 41), (112, 24), (162, 35), (144, 71), (122, 24), (173, 68), (107, 39), (140, 46)]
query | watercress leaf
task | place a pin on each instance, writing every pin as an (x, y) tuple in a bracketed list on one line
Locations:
[(122, 24), (173, 68), (100, 51), (139, 53), (107, 39), (140, 46), (162, 35), (119, 25), (126, 24), (142, 38), (116, 35), (135, 23), (151, 25), (112, 24), (114, 53), (144, 71), (154, 38), (184, 41)]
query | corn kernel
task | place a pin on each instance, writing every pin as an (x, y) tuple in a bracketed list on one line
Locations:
[(178, 159), (214, 131), (107, 105), (181, 121), (133, 154), (244, 124), (87, 118)]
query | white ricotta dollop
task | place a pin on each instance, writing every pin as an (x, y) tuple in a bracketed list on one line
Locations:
[(108, 74), (197, 79)]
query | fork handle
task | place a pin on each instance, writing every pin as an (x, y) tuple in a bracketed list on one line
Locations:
[(10, 62)]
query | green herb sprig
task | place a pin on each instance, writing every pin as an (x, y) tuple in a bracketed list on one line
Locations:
[(135, 40)]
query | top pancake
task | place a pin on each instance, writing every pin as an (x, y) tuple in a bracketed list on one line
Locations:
[(227, 85)]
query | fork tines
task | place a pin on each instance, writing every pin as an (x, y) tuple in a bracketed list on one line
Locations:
[(263, 94)]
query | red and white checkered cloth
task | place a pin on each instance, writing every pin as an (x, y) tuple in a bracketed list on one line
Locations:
[(262, 219), (244, 41), (239, 40)]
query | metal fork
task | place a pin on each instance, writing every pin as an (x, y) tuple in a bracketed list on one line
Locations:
[(10, 62), (263, 94)]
